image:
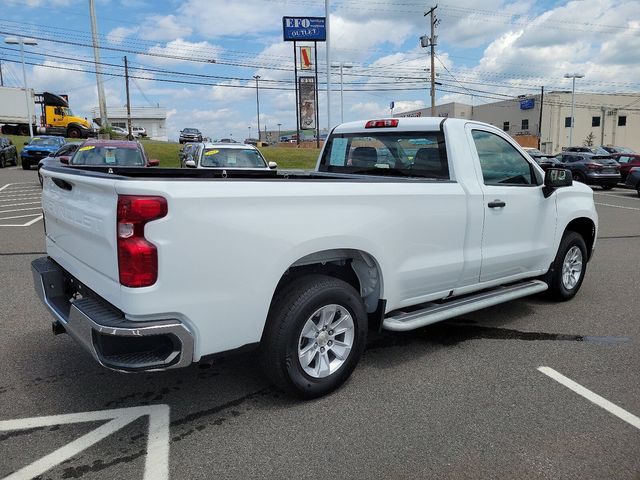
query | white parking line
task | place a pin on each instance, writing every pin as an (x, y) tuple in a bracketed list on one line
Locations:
[(156, 465), (28, 224), (617, 206), (630, 194), (19, 210), (20, 204), (20, 216), (592, 397), (27, 194)]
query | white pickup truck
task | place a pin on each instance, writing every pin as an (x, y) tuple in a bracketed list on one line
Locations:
[(404, 222)]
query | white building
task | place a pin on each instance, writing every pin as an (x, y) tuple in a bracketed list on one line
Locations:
[(610, 119), (153, 119)]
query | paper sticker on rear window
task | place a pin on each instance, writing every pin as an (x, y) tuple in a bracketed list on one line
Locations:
[(110, 156), (84, 149), (211, 152)]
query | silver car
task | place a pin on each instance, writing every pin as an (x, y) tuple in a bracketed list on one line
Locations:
[(228, 155)]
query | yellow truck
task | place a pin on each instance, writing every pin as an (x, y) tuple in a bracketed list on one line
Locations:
[(49, 114)]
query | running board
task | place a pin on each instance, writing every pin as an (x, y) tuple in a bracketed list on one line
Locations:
[(435, 312)]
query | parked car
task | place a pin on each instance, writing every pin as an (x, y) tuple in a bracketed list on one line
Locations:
[(251, 141), (38, 148), (611, 149), (154, 270), (187, 151), (627, 161), (592, 169), (227, 140), (545, 160), (139, 132), (583, 149), (120, 153), (633, 179), (225, 155), (190, 135), (8, 152), (66, 150)]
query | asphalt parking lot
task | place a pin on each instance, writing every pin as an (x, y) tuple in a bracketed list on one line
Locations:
[(460, 399)]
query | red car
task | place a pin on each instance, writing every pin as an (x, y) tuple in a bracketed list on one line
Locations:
[(627, 161), (117, 153)]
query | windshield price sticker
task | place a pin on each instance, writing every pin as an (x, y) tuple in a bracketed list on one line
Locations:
[(84, 149), (338, 152), (110, 156), (211, 152)]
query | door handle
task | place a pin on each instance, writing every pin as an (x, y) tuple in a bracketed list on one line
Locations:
[(497, 204)]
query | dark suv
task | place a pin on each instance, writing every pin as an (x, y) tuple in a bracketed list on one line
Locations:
[(190, 135), (592, 169), (8, 152)]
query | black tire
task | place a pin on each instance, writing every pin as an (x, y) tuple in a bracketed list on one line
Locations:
[(15, 159), (579, 177), (23, 130), (2, 160), (26, 165), (289, 313), (638, 189), (74, 132), (557, 289), (607, 187)]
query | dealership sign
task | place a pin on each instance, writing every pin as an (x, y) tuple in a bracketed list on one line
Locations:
[(307, 106), (304, 29), (527, 104)]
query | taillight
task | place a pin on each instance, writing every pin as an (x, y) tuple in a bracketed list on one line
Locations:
[(137, 257), (593, 166), (392, 122)]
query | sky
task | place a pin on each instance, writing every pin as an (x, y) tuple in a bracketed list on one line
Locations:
[(197, 58)]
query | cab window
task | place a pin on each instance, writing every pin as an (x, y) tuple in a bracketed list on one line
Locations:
[(501, 163)]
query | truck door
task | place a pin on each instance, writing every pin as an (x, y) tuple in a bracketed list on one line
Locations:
[(519, 222)]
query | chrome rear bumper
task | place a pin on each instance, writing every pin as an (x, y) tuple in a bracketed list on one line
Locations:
[(103, 330)]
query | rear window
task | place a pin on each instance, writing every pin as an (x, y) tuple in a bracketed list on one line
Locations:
[(408, 154), (232, 158), (110, 156)]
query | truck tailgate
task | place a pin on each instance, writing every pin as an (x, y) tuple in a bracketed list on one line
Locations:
[(80, 220)]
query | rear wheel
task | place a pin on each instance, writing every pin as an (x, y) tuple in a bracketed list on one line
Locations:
[(568, 269), (638, 189), (23, 130), (607, 187), (314, 337), (2, 160)]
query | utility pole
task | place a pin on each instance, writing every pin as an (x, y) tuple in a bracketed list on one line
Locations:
[(432, 42), (104, 121), (326, 14), (540, 121), (126, 81), (573, 96), (257, 77)]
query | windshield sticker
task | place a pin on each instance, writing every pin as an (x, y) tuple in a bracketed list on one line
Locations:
[(84, 149), (338, 152), (211, 152), (36, 138), (110, 156)]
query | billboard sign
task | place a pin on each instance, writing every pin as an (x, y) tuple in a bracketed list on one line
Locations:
[(527, 104), (307, 89), (304, 29), (305, 58)]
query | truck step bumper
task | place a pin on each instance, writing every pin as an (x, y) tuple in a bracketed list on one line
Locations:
[(103, 330), (435, 312)]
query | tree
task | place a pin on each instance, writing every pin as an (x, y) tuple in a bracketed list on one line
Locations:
[(588, 142)]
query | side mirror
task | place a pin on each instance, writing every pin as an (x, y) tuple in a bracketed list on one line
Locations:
[(273, 165), (153, 162), (556, 178), (190, 164), (65, 159)]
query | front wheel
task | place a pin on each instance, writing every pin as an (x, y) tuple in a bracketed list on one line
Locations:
[(25, 164), (607, 187), (315, 335), (73, 133), (638, 189), (579, 177), (568, 269)]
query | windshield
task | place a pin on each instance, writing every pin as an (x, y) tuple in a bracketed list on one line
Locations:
[(46, 141), (232, 158), (119, 156), (414, 154), (68, 112), (190, 130)]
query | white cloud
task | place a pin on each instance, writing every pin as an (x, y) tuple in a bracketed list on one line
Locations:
[(180, 51)]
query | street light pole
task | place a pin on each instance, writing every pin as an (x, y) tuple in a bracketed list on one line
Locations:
[(22, 42), (573, 76), (257, 77)]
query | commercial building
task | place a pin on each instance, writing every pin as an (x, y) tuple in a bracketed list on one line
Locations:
[(605, 119), (153, 119)]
